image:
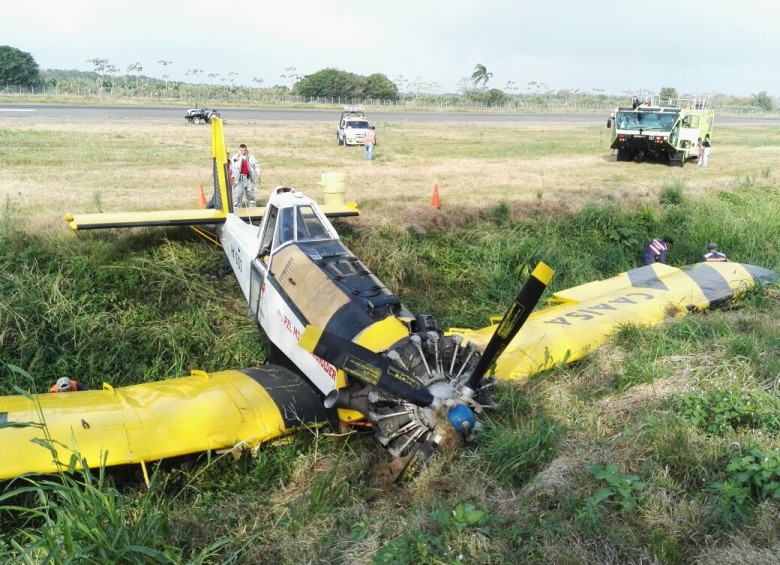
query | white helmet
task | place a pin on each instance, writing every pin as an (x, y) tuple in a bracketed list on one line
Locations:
[(63, 384)]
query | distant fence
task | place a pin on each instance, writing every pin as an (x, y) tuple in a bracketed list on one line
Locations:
[(202, 95)]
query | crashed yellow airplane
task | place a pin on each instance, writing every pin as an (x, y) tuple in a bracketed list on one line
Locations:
[(342, 348)]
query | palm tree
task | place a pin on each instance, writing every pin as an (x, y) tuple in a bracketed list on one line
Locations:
[(480, 75), (165, 64), (101, 66), (135, 68)]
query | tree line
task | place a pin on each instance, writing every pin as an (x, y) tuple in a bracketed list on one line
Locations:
[(19, 70)]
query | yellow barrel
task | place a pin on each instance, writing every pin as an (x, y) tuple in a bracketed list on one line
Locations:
[(334, 188)]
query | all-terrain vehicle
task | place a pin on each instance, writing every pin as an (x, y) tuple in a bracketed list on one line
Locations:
[(200, 115), (352, 128), (668, 132)]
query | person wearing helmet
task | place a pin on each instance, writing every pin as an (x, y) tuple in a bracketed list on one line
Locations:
[(713, 255), (64, 384)]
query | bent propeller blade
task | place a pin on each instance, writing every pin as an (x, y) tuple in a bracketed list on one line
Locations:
[(417, 462), (513, 320), (365, 365)]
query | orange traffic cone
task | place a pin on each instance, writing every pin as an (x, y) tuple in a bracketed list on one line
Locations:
[(201, 197), (436, 203)]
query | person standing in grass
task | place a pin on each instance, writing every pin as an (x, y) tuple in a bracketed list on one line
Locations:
[(369, 141), (704, 161), (246, 174), (656, 251), (701, 153), (713, 255)]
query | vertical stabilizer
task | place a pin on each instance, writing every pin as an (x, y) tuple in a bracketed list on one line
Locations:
[(223, 199)]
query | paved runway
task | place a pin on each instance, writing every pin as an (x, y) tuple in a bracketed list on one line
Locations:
[(104, 113)]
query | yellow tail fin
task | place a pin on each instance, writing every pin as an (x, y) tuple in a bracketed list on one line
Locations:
[(223, 199)]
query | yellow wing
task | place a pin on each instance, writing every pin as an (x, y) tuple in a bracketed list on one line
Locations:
[(582, 318), (153, 421)]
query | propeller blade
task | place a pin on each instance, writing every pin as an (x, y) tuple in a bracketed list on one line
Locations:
[(513, 320), (417, 462), (365, 365)]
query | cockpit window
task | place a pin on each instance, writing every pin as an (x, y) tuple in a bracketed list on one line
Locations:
[(309, 226), (299, 223), (285, 228), (269, 230)]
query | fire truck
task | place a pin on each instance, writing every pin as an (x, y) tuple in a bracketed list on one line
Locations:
[(667, 131)]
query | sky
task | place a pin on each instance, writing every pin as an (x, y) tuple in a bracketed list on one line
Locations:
[(698, 47)]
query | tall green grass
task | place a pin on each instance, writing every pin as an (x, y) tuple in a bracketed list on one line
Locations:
[(82, 517), (123, 311), (491, 255), (133, 307)]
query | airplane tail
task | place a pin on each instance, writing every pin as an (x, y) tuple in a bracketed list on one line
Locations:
[(223, 197), (221, 205)]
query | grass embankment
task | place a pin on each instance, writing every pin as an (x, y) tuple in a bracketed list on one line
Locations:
[(661, 447)]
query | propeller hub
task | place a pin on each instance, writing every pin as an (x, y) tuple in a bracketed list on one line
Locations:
[(462, 419)]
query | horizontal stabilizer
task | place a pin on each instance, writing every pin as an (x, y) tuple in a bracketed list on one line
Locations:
[(222, 201), (194, 217)]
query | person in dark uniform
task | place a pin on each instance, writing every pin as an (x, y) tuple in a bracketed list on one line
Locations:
[(656, 251), (713, 255)]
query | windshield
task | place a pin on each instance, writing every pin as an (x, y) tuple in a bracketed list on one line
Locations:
[(300, 223), (655, 121), (357, 125), (309, 226)]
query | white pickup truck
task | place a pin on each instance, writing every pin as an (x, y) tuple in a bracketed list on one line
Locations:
[(352, 129)]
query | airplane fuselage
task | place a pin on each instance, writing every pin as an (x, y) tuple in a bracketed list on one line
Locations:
[(294, 271)]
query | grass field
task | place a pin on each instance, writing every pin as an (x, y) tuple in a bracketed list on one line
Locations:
[(662, 447), (48, 169)]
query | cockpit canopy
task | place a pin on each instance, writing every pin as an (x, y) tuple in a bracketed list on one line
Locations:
[(294, 218), (300, 223)]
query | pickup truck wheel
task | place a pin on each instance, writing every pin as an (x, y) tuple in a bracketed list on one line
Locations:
[(196, 120)]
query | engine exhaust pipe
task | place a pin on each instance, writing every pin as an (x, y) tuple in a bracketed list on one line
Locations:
[(351, 398)]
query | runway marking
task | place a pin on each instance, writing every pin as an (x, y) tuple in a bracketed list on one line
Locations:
[(16, 110)]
